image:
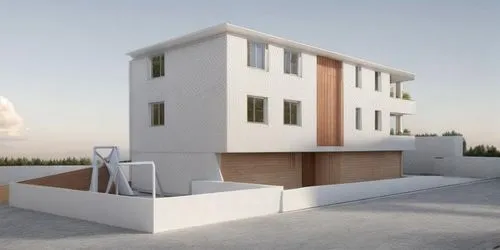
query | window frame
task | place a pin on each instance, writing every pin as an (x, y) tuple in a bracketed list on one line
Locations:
[(288, 59), (298, 115), (162, 66), (378, 120), (264, 109), (359, 119), (358, 77), (161, 112), (265, 56)]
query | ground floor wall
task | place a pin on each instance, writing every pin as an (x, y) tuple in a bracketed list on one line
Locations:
[(294, 170), (176, 171)]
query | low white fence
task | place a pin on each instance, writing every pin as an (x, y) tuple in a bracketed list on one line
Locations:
[(114, 210), (308, 197), (476, 167), (22, 173), (211, 206), (204, 187)]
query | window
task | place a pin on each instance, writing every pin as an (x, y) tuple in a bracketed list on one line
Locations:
[(256, 56), (378, 120), (157, 113), (291, 112), (358, 119), (256, 109), (292, 60), (157, 66), (358, 77), (377, 81)]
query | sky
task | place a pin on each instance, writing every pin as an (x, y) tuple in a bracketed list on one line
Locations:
[(64, 72)]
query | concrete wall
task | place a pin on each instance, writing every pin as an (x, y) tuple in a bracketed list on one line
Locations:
[(194, 92), (202, 209), (427, 149), (175, 170), (121, 211), (21, 173), (307, 197), (476, 167)]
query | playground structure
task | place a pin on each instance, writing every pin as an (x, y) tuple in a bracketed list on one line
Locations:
[(117, 176)]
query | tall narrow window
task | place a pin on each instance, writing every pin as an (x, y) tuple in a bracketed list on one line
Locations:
[(157, 113), (377, 81), (291, 112), (358, 119), (256, 109), (378, 120), (157, 66), (256, 56), (292, 62), (358, 77)]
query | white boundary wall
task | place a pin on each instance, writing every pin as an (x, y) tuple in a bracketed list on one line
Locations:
[(114, 210), (204, 187), (308, 197), (22, 173), (202, 209), (476, 167)]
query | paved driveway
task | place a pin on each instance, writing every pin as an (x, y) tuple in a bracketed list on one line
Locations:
[(460, 217)]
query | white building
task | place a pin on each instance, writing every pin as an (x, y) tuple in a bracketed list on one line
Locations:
[(230, 103)]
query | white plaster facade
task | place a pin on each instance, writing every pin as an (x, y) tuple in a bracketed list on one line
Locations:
[(205, 91)]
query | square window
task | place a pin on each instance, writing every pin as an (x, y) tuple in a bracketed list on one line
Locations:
[(256, 109)]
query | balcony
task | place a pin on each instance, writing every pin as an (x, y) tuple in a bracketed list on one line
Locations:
[(402, 106)]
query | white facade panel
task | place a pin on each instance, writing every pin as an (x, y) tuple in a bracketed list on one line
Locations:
[(194, 92), (369, 100), (276, 86)]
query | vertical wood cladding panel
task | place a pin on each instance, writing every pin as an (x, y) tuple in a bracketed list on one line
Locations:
[(4, 194), (346, 167), (368, 166), (282, 169), (330, 131), (308, 169)]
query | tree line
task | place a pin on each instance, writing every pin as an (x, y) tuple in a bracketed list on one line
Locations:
[(479, 150), (24, 161)]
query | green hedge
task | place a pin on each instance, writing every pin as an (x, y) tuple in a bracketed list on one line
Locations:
[(23, 161)]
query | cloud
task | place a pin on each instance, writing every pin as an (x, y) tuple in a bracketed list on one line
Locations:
[(11, 123)]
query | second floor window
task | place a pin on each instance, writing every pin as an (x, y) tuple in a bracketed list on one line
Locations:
[(256, 56), (157, 66), (292, 112), (256, 109), (358, 77), (377, 81), (157, 113), (292, 60)]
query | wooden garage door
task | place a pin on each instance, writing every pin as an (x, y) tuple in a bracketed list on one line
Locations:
[(283, 169), (367, 166)]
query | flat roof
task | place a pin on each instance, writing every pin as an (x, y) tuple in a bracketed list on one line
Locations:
[(396, 74)]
